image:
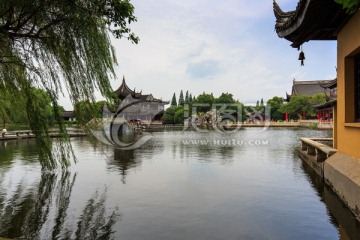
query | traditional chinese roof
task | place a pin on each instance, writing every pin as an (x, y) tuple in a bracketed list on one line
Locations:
[(311, 20), (288, 96), (123, 91), (325, 105), (332, 84), (309, 87), (68, 114)]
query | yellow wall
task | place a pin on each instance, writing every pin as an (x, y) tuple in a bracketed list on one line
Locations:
[(347, 131)]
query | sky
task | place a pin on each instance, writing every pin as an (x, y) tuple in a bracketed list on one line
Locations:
[(214, 47)]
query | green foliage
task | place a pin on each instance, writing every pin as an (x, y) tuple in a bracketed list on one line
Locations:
[(187, 97), (204, 99), (351, 6), (225, 98), (275, 104), (181, 101), (14, 110), (169, 114), (303, 103), (46, 42), (179, 116), (317, 99), (173, 100), (88, 110), (313, 125)]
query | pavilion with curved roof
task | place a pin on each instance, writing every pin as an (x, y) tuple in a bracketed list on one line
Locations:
[(147, 107)]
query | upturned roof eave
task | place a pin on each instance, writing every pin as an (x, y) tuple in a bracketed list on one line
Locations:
[(330, 103), (312, 20)]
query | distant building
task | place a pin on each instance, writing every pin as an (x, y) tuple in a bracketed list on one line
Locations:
[(147, 109), (326, 110), (308, 88), (68, 115), (311, 88)]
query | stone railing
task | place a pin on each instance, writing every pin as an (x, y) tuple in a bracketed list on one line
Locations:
[(319, 150), (319, 124)]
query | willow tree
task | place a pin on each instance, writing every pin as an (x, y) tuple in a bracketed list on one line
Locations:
[(59, 46)]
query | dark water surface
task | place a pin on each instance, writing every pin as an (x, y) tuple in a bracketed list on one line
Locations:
[(180, 185)]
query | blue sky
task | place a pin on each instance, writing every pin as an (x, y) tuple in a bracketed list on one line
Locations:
[(215, 46)]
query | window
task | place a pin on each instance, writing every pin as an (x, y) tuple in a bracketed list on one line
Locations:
[(357, 87)]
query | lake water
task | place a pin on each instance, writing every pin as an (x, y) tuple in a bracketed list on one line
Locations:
[(179, 185)]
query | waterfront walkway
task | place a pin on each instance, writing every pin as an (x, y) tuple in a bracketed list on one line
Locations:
[(27, 134)]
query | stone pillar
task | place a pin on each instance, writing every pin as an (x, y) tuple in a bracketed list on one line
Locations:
[(311, 150)]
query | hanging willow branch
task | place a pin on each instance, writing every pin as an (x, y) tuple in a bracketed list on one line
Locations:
[(59, 45)]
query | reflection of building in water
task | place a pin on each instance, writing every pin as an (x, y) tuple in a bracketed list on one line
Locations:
[(124, 160), (149, 109)]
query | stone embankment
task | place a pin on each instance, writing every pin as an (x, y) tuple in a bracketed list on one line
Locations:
[(339, 170)]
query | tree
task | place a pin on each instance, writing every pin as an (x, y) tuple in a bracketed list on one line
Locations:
[(45, 42), (169, 114), (179, 116), (44, 103), (14, 110), (225, 98), (300, 104), (257, 104), (88, 110), (190, 98), (181, 99), (275, 104), (173, 100), (204, 99), (187, 97), (262, 102), (5, 107)]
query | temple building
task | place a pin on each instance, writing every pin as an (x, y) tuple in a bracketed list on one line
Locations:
[(328, 20), (325, 112), (144, 107), (307, 88)]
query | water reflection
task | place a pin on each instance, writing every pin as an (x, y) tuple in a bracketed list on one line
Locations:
[(38, 212), (123, 161), (25, 149), (172, 191), (207, 148), (340, 215), (93, 223)]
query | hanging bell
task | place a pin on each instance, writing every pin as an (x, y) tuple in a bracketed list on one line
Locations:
[(302, 58)]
